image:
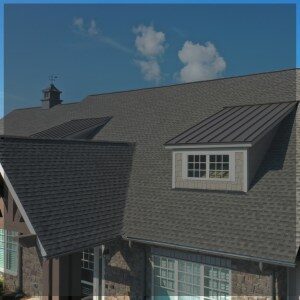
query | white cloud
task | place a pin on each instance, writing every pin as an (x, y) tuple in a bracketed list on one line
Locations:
[(151, 45), (78, 23), (202, 62), (90, 29), (149, 42), (93, 30), (150, 69)]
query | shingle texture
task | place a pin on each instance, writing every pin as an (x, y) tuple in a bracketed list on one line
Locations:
[(72, 127), (238, 124), (260, 223), (73, 192)]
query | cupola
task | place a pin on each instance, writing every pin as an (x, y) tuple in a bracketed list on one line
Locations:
[(51, 96)]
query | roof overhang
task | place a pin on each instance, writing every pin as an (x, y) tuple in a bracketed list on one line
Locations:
[(208, 146), (21, 209), (211, 252)]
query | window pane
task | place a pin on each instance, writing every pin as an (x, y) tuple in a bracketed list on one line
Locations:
[(225, 158), (194, 166), (219, 166), (216, 283), (164, 284), (8, 251)]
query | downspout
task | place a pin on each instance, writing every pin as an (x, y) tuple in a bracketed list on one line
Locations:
[(145, 276), (50, 278), (273, 285)]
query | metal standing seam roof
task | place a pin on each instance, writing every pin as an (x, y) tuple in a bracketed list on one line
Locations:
[(69, 128), (236, 124)]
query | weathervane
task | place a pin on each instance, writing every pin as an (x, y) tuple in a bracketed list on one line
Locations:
[(52, 78)]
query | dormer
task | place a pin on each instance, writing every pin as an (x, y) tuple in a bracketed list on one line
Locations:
[(224, 151)]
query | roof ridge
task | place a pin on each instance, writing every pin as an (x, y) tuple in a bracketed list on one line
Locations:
[(192, 82), (265, 103)]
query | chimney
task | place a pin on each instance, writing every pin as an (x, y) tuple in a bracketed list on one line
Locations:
[(51, 97)]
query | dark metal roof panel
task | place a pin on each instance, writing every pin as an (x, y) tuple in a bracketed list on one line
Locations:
[(242, 124), (71, 127)]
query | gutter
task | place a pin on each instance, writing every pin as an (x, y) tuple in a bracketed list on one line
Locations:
[(211, 252)]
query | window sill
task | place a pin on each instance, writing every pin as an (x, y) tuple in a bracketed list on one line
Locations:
[(8, 272)]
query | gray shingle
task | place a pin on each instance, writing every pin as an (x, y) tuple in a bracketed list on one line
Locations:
[(73, 192), (261, 223)]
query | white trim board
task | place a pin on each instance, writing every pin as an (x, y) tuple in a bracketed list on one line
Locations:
[(208, 146), (21, 208)]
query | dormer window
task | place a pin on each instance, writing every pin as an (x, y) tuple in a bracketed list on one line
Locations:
[(209, 166), (219, 166), (225, 150)]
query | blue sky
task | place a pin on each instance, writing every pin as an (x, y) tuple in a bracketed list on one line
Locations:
[(102, 48)]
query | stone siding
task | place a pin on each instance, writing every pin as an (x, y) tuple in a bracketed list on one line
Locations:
[(32, 272), (32, 275), (124, 271), (126, 274), (236, 185)]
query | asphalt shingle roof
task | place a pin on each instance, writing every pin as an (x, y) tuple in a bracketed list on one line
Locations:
[(73, 192), (237, 124), (72, 127), (260, 223)]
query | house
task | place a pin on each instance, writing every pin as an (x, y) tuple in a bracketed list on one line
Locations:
[(180, 192)]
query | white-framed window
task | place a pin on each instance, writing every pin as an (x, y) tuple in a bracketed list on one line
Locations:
[(87, 271), (209, 165), (9, 252), (87, 259), (175, 279)]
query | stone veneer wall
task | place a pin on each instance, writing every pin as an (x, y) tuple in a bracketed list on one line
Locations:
[(237, 185), (124, 271), (128, 275), (32, 275), (32, 272)]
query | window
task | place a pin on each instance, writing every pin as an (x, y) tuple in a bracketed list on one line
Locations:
[(164, 276), (185, 280), (219, 166), (87, 270), (87, 259), (209, 166), (197, 166), (216, 283), (8, 252)]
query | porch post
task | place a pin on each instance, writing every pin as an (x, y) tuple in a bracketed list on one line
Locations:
[(102, 273), (96, 281)]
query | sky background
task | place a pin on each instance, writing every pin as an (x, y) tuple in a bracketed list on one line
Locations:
[(102, 48)]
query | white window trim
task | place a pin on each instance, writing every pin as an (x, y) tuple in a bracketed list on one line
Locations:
[(202, 266), (4, 270), (231, 154)]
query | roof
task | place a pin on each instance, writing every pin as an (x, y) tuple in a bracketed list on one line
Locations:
[(215, 221), (235, 124), (71, 128), (73, 192), (51, 88)]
